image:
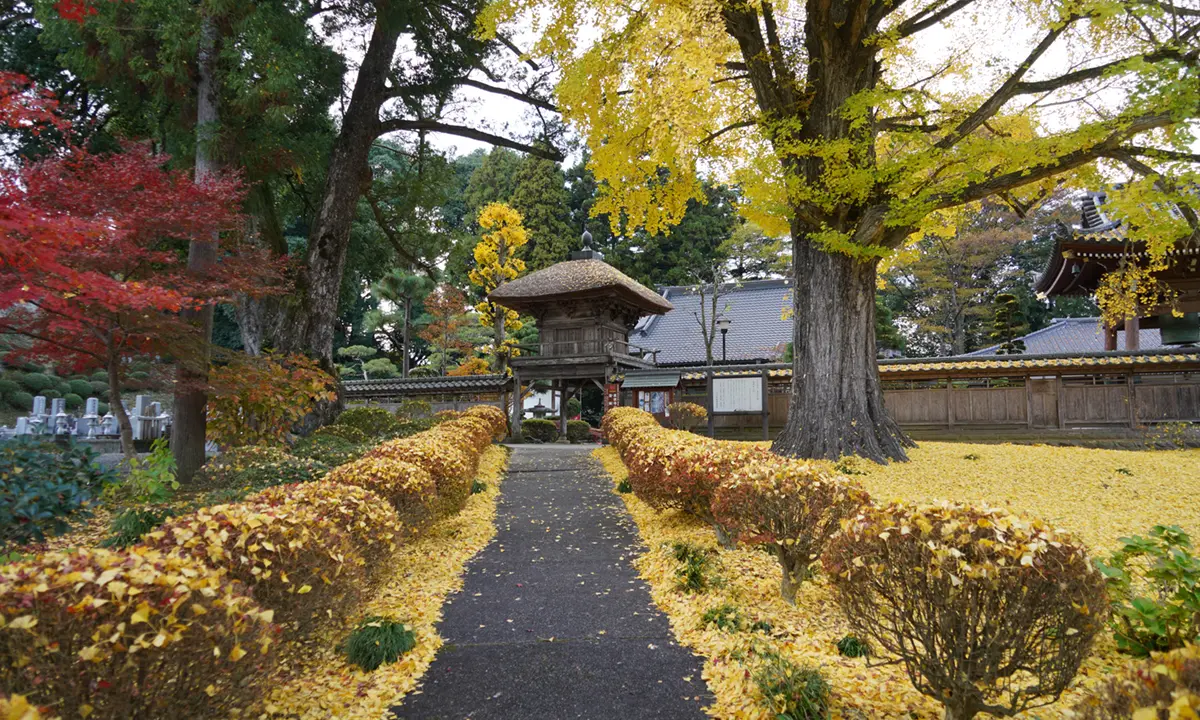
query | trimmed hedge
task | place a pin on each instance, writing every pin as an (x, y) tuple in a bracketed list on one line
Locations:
[(70, 624), (578, 431), (539, 430), (36, 382), (410, 489)]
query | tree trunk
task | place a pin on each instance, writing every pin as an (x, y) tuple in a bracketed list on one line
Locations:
[(124, 426), (249, 314), (404, 361), (837, 404), (954, 712), (309, 325), (188, 429)]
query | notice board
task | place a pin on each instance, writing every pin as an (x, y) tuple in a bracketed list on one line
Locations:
[(737, 395)]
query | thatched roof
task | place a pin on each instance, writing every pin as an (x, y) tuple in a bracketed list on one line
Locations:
[(577, 279)]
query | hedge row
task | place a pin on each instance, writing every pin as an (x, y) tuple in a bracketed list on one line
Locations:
[(940, 587), (184, 623)]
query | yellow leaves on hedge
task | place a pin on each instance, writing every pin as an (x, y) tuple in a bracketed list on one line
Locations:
[(18, 708), (1075, 489), (319, 683)]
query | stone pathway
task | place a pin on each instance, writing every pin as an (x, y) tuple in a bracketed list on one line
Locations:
[(553, 621)]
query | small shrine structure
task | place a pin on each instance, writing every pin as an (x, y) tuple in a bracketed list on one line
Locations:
[(585, 310), (1083, 256)]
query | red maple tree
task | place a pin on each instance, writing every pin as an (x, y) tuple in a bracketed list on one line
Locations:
[(93, 258)]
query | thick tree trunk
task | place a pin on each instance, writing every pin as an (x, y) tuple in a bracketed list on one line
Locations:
[(309, 325), (188, 429), (837, 404), (249, 314)]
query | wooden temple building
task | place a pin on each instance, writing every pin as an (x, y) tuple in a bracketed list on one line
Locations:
[(1082, 257), (585, 310)]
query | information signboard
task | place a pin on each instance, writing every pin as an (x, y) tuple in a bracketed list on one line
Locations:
[(737, 395)]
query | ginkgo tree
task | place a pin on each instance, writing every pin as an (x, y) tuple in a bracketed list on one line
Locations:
[(851, 124), (496, 263)]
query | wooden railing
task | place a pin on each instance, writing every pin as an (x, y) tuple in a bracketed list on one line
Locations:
[(582, 348)]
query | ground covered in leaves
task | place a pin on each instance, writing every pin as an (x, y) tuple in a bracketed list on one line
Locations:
[(315, 680), (1099, 494)]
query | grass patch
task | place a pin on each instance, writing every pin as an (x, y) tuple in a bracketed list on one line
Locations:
[(378, 641)]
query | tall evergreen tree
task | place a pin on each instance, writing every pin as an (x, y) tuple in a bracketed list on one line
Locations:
[(494, 181), (541, 196)]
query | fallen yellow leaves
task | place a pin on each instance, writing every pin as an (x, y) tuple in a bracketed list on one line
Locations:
[(314, 679), (1079, 490)]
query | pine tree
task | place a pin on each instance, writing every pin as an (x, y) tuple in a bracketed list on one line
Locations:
[(494, 181), (542, 199), (1008, 325)]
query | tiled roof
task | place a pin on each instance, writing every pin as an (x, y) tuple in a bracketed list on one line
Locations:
[(576, 278), (995, 365), (465, 384), (1075, 335), (757, 330)]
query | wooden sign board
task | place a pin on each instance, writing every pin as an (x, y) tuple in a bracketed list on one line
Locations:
[(737, 395), (612, 396)]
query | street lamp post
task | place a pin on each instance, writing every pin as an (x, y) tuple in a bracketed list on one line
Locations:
[(723, 325)]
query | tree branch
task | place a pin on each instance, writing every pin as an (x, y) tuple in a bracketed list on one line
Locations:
[(434, 126), (929, 17), (1091, 73), (1160, 154), (716, 134), (515, 95), (390, 233), (1123, 155), (1063, 163), (1003, 93)]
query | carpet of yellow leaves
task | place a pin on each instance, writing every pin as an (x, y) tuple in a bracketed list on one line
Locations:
[(315, 680), (1078, 489)]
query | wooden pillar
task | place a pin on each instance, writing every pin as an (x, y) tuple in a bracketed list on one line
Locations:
[(1132, 333), (950, 403), (562, 409), (708, 377), (1131, 398), (766, 408), (517, 410), (1061, 400), (1029, 402)]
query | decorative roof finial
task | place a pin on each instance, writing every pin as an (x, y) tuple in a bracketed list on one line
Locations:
[(587, 252)]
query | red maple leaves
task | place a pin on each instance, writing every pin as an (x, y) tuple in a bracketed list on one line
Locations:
[(93, 248)]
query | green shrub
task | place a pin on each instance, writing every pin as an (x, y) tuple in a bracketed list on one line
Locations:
[(129, 527), (1154, 588), (44, 486), (289, 470), (73, 401), (21, 400), (851, 646), (412, 426), (82, 388), (98, 387), (373, 422), (7, 387), (539, 430), (692, 574), (574, 407), (791, 691), (348, 433), (624, 487), (102, 409), (578, 431), (726, 617), (224, 470), (151, 479), (36, 382), (378, 641), (50, 394), (327, 449), (62, 387), (99, 376), (423, 371), (411, 409), (478, 486)]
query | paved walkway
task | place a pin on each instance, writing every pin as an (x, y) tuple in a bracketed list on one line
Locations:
[(553, 621)]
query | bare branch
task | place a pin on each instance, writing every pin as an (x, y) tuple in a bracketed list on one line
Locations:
[(434, 126), (929, 17), (1091, 73), (718, 133), (1160, 154), (515, 95)]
